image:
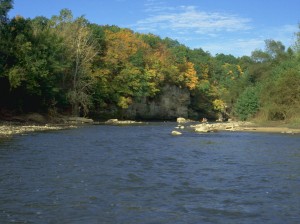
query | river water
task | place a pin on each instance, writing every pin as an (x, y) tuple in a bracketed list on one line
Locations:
[(143, 174)]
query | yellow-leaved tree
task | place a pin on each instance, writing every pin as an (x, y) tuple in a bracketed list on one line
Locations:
[(80, 50), (188, 75)]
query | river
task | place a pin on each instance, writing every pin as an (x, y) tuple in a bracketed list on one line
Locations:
[(143, 174)]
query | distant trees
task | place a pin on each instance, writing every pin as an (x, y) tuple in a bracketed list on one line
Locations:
[(275, 73), (280, 96), (5, 6), (66, 64)]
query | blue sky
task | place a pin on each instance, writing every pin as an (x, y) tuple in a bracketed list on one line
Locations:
[(219, 26)]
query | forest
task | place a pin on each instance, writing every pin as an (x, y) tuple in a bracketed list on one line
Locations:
[(67, 65)]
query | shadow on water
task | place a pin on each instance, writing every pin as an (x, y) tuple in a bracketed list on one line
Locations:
[(143, 174)]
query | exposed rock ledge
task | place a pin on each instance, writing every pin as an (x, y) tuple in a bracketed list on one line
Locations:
[(226, 126), (240, 126), (80, 120), (181, 120), (8, 129), (118, 122)]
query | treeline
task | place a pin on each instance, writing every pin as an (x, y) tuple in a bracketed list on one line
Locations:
[(69, 65)]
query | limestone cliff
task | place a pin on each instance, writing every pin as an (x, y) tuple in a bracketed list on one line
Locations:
[(171, 102)]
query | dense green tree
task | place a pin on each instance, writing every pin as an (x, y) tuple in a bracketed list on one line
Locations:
[(5, 42), (152, 40), (5, 6), (247, 103), (200, 59), (34, 65), (229, 59), (281, 92)]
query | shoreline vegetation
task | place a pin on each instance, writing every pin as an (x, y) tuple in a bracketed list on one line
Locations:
[(38, 124)]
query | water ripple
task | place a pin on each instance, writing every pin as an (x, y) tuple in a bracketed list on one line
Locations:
[(142, 174)]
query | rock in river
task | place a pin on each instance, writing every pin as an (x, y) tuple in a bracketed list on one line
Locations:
[(176, 133)]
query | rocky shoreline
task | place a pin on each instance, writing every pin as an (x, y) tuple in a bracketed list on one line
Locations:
[(241, 126), (122, 122), (36, 122), (8, 129), (206, 127)]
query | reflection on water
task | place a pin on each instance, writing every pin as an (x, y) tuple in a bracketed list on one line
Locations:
[(143, 174)]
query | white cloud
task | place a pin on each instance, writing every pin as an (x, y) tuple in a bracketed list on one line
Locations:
[(188, 18), (154, 6), (216, 32), (235, 47), (285, 34), (247, 44)]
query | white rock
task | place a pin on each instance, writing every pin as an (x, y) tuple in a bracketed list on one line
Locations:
[(111, 121), (201, 129), (181, 120), (176, 133)]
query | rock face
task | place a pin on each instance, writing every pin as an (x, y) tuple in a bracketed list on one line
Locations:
[(171, 103), (79, 120)]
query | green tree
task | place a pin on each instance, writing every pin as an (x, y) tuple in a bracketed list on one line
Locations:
[(247, 104), (5, 42), (33, 66), (281, 92), (274, 52), (275, 49), (5, 6)]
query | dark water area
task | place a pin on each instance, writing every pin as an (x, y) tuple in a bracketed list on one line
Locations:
[(143, 174)]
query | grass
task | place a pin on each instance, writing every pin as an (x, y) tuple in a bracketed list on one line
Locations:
[(288, 123)]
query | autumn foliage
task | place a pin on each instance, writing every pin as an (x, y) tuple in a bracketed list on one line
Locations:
[(68, 65)]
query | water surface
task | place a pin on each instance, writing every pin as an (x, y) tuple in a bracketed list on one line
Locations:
[(143, 174)]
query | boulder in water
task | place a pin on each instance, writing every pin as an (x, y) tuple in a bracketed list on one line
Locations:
[(176, 133)]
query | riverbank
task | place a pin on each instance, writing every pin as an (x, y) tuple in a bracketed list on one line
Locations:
[(243, 126), (274, 127), (284, 130), (8, 129), (33, 122)]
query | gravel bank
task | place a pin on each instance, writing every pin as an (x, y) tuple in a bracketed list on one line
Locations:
[(8, 128)]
